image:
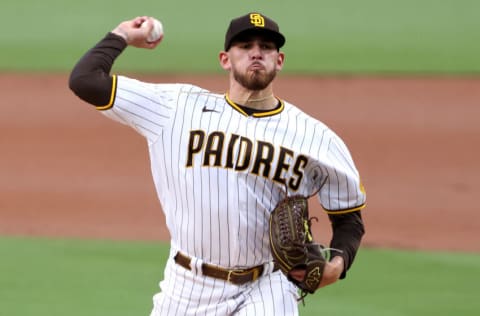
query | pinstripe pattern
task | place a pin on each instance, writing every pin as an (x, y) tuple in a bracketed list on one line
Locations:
[(219, 173)]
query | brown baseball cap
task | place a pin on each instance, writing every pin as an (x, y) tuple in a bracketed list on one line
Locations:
[(253, 22)]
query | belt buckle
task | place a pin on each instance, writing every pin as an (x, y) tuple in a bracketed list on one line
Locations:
[(229, 275), (256, 274), (254, 271)]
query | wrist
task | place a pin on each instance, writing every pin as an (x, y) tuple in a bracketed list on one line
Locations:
[(121, 33), (339, 263)]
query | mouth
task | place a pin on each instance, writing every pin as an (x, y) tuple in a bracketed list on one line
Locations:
[(256, 66)]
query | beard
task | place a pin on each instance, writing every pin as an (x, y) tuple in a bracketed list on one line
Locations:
[(255, 80)]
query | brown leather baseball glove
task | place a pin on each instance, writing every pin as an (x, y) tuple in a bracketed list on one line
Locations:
[(292, 243)]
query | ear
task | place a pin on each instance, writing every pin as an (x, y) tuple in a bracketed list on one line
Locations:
[(224, 60), (280, 61)]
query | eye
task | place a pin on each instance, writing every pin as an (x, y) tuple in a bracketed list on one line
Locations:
[(242, 45), (268, 45)]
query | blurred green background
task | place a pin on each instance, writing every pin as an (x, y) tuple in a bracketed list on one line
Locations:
[(343, 36), (49, 277), (79, 277)]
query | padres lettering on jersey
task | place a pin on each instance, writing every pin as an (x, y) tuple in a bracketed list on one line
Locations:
[(243, 154)]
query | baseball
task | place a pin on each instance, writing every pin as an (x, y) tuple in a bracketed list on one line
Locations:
[(157, 30)]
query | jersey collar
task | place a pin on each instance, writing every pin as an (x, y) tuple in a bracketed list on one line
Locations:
[(258, 113)]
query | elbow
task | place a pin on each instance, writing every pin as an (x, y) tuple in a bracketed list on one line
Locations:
[(91, 88), (80, 87), (78, 84), (73, 83)]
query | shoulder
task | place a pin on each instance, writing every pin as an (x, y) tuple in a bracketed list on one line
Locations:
[(293, 112)]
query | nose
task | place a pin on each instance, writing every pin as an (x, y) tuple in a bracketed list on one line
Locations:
[(255, 52)]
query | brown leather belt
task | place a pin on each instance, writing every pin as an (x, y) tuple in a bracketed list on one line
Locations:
[(238, 277)]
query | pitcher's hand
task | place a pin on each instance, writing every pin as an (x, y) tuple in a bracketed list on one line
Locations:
[(136, 35), (331, 273)]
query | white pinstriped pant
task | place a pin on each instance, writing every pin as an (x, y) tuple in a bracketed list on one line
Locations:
[(184, 292)]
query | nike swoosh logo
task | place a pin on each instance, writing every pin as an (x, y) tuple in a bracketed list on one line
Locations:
[(205, 109)]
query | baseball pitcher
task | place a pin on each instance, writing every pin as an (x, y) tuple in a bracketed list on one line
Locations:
[(233, 172)]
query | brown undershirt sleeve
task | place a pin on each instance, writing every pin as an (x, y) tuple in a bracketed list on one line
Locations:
[(90, 79), (348, 230)]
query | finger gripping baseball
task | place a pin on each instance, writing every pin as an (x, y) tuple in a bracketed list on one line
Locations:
[(292, 245)]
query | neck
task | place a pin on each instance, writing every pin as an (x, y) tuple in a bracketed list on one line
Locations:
[(255, 100)]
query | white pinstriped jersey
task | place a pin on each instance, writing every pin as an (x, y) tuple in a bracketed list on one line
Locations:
[(219, 173)]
